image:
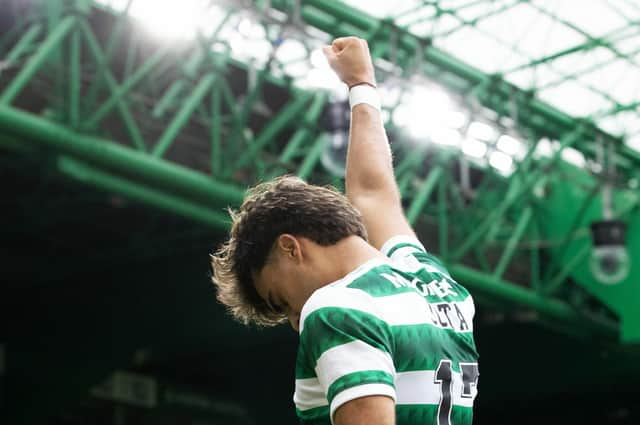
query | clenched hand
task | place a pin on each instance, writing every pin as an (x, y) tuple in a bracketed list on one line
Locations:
[(350, 59)]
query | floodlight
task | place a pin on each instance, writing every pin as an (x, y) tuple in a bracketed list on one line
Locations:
[(291, 50), (251, 29), (446, 137), (402, 115), (474, 147), (389, 94), (175, 20), (318, 59), (634, 142), (325, 79), (453, 119), (573, 156), (546, 147), (511, 146), (481, 131), (501, 161)]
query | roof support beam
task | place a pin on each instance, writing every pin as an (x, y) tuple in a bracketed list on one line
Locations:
[(154, 171)]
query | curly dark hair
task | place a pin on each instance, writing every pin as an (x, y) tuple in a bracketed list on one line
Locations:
[(286, 204)]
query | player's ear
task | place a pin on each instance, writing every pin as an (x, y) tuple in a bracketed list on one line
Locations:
[(289, 246)]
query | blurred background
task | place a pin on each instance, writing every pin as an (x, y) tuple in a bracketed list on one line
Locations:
[(128, 127)]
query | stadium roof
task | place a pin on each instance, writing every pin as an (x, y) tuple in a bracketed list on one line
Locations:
[(582, 57)]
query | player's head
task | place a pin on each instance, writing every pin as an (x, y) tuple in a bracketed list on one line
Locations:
[(273, 248)]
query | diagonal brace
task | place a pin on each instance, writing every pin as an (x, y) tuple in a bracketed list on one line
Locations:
[(423, 194), (123, 110), (183, 115), (510, 249), (35, 63)]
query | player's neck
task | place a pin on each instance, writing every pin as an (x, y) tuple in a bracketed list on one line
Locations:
[(350, 253)]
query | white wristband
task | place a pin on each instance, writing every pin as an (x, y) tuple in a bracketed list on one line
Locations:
[(364, 93)]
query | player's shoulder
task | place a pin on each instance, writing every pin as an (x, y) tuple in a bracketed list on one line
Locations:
[(409, 254), (401, 244)]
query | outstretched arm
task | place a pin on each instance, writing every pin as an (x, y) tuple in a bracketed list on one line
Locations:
[(370, 182)]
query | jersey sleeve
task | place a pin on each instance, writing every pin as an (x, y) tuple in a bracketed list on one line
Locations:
[(410, 252), (346, 344)]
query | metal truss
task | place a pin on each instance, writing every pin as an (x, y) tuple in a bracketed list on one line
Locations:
[(187, 129)]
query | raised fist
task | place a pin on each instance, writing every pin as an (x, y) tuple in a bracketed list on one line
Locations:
[(350, 59)]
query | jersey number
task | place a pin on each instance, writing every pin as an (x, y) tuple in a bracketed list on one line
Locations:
[(443, 377)]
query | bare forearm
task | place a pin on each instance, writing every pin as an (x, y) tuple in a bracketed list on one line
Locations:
[(369, 161), (370, 182)]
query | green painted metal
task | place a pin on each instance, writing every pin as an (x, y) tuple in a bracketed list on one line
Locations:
[(553, 308), (423, 194), (495, 228), (169, 97), (216, 128), (123, 109), (74, 80), (467, 226), (181, 118), (515, 192), (237, 139), (253, 95), (285, 117), (563, 203), (540, 117), (24, 44), (37, 60), (555, 282), (313, 156), (509, 250), (410, 161), (198, 58), (443, 221), (154, 197), (127, 85), (301, 135), (105, 61), (101, 152), (534, 259)]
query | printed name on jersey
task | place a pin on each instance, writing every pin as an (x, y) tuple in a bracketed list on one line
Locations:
[(446, 314), (439, 288)]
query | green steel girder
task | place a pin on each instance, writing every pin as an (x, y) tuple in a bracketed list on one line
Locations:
[(37, 130), (22, 46), (123, 110), (37, 60), (93, 121), (301, 135), (511, 246), (104, 153), (95, 177), (516, 190), (339, 19), (486, 234), (183, 115), (290, 112), (553, 308), (422, 196), (621, 298), (105, 60)]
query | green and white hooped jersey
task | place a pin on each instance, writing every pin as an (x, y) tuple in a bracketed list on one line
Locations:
[(401, 328)]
